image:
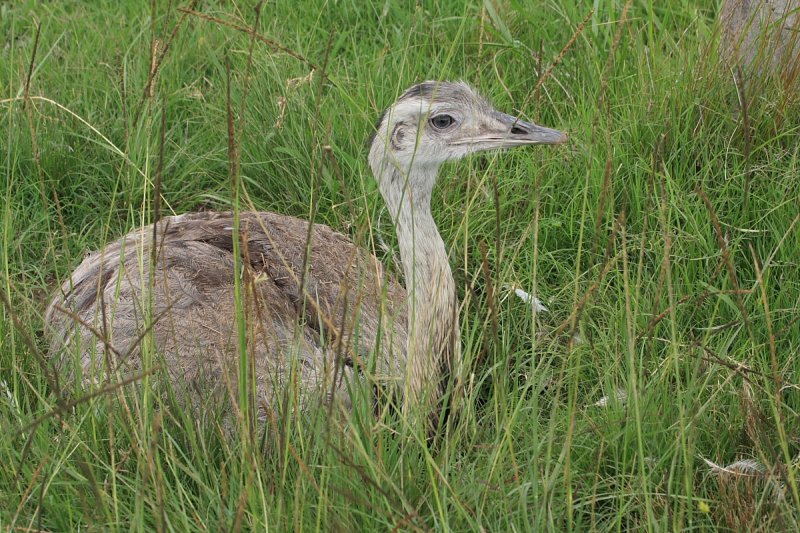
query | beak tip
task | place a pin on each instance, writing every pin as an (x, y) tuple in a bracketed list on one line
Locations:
[(551, 136), (560, 138)]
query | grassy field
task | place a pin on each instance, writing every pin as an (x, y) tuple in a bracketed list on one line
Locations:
[(664, 238)]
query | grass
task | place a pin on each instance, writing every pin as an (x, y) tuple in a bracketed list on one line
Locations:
[(665, 236)]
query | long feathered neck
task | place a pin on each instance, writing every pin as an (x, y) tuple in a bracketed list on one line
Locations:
[(434, 348)]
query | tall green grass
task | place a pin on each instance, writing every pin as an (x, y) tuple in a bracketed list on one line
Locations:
[(664, 240)]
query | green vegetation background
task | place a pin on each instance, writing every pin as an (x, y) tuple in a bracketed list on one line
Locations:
[(664, 238)]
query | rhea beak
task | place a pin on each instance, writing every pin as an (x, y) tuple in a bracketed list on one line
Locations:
[(508, 132), (520, 132)]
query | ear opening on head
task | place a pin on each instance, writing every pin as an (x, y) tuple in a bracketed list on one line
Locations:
[(398, 134)]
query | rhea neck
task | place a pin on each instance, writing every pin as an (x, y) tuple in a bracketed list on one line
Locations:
[(433, 332), (407, 194)]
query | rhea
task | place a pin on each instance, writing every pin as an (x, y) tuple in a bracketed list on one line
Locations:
[(314, 311)]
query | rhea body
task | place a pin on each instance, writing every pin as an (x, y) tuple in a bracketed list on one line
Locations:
[(344, 318)]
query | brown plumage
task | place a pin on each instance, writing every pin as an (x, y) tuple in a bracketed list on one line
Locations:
[(193, 303), (349, 321)]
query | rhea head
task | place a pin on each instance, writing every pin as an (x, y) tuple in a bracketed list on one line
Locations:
[(433, 122)]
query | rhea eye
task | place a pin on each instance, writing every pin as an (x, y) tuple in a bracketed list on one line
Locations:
[(441, 122)]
